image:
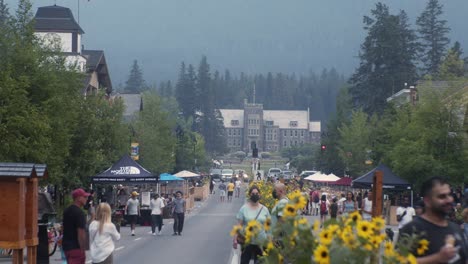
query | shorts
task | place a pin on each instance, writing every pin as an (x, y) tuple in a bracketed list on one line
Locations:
[(230, 193), (222, 193), (132, 219), (75, 256)]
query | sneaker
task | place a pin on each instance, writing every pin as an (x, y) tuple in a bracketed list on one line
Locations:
[(175, 234), (180, 234), (133, 234), (153, 234), (159, 233)]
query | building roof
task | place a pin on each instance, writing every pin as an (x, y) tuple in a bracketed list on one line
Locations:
[(56, 19), (232, 114), (315, 126), (96, 62), (133, 104), (282, 118)]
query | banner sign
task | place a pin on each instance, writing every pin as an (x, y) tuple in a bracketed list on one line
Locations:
[(126, 170), (135, 151)]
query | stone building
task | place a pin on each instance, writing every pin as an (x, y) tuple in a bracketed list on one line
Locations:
[(269, 130)]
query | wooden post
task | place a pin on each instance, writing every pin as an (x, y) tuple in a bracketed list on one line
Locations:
[(377, 194), (18, 256)]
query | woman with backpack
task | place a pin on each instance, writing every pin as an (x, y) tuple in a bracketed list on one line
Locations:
[(324, 206)]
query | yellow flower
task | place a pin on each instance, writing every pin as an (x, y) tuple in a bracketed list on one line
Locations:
[(235, 230), (422, 246), (379, 223), (368, 247), (267, 224), (412, 259), (316, 225), (364, 229), (321, 255), (299, 202), (388, 249), (326, 237), (280, 259), (289, 210), (333, 228), (269, 246), (375, 241), (354, 216)]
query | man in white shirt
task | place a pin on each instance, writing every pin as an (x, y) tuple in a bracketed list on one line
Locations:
[(405, 213), (340, 203), (156, 205)]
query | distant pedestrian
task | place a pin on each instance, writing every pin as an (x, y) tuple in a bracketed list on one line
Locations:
[(446, 240), (340, 202), (348, 205), (367, 207), (334, 209), (230, 190), (74, 242), (238, 185), (179, 213), (212, 184), (222, 191), (252, 210), (90, 207), (156, 206), (102, 234), (133, 210), (315, 198), (359, 201), (324, 206), (405, 213), (259, 176)]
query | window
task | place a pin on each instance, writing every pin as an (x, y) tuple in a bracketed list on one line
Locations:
[(295, 133), (234, 122), (302, 133), (285, 132), (295, 142), (274, 136), (269, 123), (284, 143), (290, 133), (229, 131), (293, 123)]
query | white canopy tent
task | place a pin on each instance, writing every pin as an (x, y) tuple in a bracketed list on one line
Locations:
[(319, 177), (186, 174)]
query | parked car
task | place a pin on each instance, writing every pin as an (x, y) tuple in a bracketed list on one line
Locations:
[(287, 174), (226, 174), (274, 172), (215, 174)]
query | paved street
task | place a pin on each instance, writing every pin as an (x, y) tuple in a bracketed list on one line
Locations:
[(205, 238)]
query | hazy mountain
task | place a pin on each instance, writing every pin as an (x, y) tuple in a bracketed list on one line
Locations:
[(254, 36)]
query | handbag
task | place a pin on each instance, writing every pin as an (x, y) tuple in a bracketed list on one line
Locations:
[(241, 238)]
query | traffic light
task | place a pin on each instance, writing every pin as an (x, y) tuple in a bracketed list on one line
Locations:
[(323, 147)]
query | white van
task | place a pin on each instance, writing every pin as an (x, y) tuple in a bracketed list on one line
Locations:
[(274, 172)]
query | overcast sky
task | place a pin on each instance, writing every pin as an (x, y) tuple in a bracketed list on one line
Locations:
[(253, 36)]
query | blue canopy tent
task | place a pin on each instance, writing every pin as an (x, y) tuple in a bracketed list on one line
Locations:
[(169, 177), (390, 180)]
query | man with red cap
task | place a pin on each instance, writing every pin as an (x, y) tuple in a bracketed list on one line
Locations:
[(74, 240)]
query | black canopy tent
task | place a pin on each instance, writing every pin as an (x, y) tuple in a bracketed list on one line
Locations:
[(125, 170), (390, 180)]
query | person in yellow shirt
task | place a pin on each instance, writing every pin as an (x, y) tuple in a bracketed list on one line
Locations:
[(230, 189)]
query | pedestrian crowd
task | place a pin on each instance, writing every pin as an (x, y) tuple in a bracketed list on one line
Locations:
[(439, 215)]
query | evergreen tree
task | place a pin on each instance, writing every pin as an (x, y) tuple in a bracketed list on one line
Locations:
[(452, 66), (433, 33), (387, 60), (135, 82)]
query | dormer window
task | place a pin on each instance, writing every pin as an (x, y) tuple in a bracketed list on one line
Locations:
[(234, 122), (293, 123)]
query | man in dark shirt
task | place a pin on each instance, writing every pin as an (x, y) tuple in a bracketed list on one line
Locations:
[(446, 240), (74, 229)]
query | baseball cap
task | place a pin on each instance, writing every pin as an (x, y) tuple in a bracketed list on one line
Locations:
[(79, 192), (135, 193)]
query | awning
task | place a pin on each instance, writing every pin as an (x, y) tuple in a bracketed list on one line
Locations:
[(186, 174), (390, 180), (345, 181), (125, 170), (319, 177), (169, 177)]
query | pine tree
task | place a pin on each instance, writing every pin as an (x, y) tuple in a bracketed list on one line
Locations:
[(387, 60), (453, 65), (135, 82), (433, 36)]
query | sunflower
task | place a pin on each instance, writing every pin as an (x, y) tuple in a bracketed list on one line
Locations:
[(375, 241), (379, 223), (289, 210), (326, 237), (267, 224), (354, 217), (411, 259), (422, 246), (388, 249), (368, 247), (299, 202), (316, 225), (364, 229), (321, 255), (269, 247), (235, 230)]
